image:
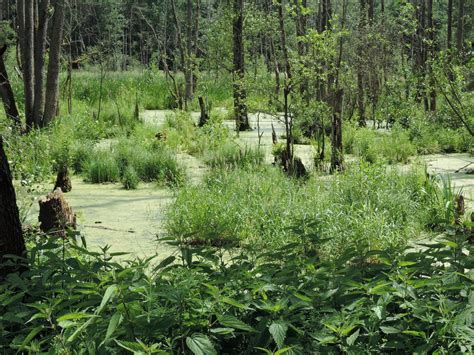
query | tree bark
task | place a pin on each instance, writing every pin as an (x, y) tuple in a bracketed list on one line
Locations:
[(52, 88), (450, 25), (11, 235), (40, 44), (25, 13), (6, 92), (336, 132), (360, 66), (460, 28), (240, 94), (431, 50)]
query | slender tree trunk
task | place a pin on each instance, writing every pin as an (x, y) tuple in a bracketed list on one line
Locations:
[(450, 25), (336, 132), (360, 66), (189, 50), (289, 163), (431, 54), (183, 55), (460, 28), (25, 13), (6, 93), (337, 157), (40, 44), (11, 235), (52, 88), (240, 94)]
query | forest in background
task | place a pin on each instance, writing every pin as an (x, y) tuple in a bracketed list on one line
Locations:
[(356, 249)]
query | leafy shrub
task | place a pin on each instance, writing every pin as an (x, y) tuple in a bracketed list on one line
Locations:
[(285, 298)]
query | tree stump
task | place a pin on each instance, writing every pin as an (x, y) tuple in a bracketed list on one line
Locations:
[(204, 112), (63, 181), (55, 214)]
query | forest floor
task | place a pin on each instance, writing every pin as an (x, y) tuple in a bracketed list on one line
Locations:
[(131, 221)]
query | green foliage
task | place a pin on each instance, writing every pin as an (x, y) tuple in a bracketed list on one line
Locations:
[(102, 167), (276, 301), (373, 146), (231, 156), (368, 207), (130, 178)]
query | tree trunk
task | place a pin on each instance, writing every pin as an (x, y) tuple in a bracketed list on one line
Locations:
[(240, 94), (431, 51), (360, 65), (188, 73), (336, 132), (11, 235), (40, 44), (460, 28), (52, 88), (450, 25), (289, 153), (25, 13), (6, 92)]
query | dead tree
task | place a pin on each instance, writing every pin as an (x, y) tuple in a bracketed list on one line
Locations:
[(11, 235), (240, 94)]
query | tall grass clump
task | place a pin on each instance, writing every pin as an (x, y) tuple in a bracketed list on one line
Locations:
[(151, 160), (102, 167), (231, 156)]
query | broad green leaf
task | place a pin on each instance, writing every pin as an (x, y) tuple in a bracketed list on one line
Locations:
[(278, 331), (414, 333), (233, 322), (351, 339), (200, 344), (233, 302), (74, 316), (390, 330), (222, 330), (33, 332), (113, 324), (109, 293)]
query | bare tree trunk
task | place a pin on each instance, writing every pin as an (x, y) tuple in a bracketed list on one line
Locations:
[(52, 88), (460, 28), (337, 157), (240, 94), (25, 13), (336, 132), (184, 57), (11, 235), (6, 93), (188, 73), (431, 51), (289, 153), (360, 66), (450, 25), (40, 44)]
